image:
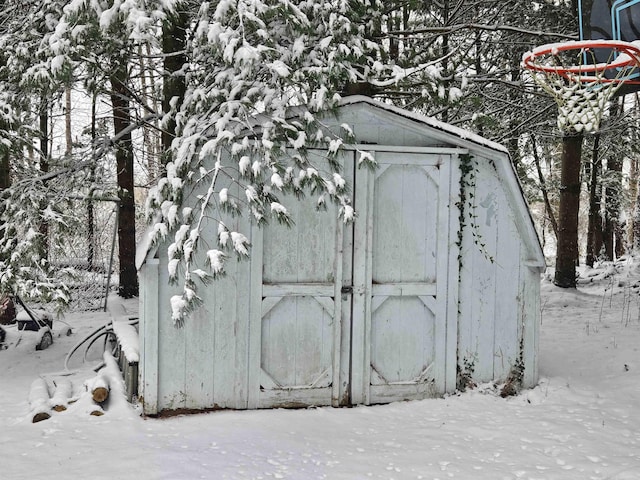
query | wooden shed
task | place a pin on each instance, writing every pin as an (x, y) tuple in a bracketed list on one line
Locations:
[(436, 281)]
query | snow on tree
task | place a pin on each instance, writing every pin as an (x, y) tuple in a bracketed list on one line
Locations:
[(101, 37), (259, 74), (27, 205)]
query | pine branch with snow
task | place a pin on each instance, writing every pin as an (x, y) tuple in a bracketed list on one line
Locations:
[(260, 75)]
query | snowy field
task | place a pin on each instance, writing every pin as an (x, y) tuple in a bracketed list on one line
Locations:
[(581, 423)]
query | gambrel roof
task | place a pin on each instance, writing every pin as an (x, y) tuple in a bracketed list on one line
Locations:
[(372, 120)]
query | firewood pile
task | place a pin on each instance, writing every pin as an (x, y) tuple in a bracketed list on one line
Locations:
[(95, 396)]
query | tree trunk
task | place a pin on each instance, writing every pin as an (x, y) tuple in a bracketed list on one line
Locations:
[(67, 121), (543, 187), (636, 221), (44, 168), (100, 388), (566, 255), (611, 230), (633, 209), (612, 195), (174, 30), (124, 165), (5, 167), (595, 221), (149, 136), (634, 235), (39, 400), (446, 67), (91, 236)]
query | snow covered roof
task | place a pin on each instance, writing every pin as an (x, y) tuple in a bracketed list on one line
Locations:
[(455, 132)]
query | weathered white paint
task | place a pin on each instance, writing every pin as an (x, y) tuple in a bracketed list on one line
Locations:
[(386, 308), (500, 299), (148, 330), (403, 314)]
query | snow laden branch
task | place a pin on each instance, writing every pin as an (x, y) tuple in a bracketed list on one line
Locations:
[(449, 29), (262, 78)]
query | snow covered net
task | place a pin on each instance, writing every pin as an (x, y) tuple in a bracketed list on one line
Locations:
[(581, 105)]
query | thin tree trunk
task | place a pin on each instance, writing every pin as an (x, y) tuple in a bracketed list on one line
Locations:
[(67, 121), (595, 220), (90, 213), (633, 208), (44, 167), (148, 131), (634, 241), (446, 10), (5, 167), (611, 230), (124, 164), (636, 221), (543, 187), (565, 275)]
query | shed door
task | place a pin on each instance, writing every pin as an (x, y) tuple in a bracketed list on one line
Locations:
[(401, 256), (297, 310), (356, 313)]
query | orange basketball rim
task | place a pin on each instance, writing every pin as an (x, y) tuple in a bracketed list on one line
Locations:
[(623, 57)]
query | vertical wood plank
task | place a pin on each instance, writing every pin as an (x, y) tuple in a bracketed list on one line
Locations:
[(337, 313), (171, 346), (199, 357), (465, 349), (361, 316), (222, 312), (442, 270), (255, 319), (149, 335), (452, 167), (346, 300), (484, 224), (240, 324), (507, 311), (531, 325)]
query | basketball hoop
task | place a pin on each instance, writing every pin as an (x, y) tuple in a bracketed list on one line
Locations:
[(580, 84)]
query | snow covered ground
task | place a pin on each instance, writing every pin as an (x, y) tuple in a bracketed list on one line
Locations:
[(581, 422)]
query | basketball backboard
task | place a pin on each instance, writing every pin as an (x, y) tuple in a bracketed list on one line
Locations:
[(611, 20)]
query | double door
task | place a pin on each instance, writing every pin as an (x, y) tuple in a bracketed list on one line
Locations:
[(356, 313)]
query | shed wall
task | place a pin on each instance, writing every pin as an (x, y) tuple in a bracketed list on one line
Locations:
[(204, 364), (498, 310)]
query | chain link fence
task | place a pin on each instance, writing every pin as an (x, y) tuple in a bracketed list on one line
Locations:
[(90, 250)]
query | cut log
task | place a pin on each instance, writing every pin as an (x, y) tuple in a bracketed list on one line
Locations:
[(118, 396), (62, 395), (96, 411), (100, 389), (85, 405), (40, 416), (39, 400)]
